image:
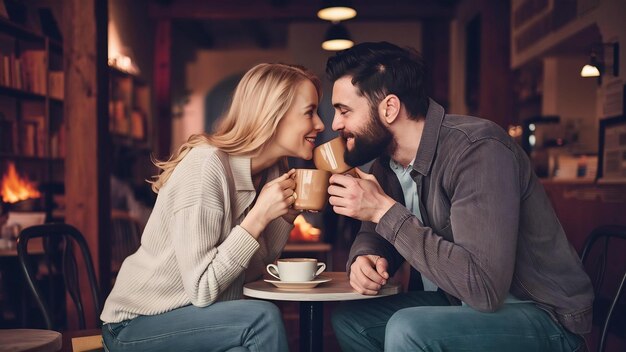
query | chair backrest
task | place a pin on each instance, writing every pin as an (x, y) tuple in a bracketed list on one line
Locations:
[(607, 233), (125, 237), (59, 242)]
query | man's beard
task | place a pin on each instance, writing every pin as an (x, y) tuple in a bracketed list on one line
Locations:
[(375, 140)]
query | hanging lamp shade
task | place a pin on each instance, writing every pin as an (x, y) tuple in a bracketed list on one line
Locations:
[(336, 10), (337, 38)]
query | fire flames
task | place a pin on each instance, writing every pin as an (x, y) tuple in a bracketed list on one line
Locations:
[(304, 231), (14, 189)]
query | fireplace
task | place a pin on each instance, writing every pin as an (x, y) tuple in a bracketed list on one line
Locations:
[(303, 231), (19, 193), (15, 188)]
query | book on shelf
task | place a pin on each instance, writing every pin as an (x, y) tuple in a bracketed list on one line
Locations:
[(35, 64), (56, 85), (138, 124), (33, 136), (28, 137), (8, 133), (57, 142)]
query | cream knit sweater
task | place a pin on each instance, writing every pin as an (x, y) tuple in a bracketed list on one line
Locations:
[(190, 253)]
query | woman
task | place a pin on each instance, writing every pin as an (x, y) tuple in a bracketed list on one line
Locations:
[(222, 213)]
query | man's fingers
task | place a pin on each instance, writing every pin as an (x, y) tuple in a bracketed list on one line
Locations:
[(359, 283), (342, 180), (339, 191), (362, 290), (381, 268), (371, 278)]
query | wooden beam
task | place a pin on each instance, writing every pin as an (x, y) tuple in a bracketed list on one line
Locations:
[(197, 32), (298, 10), (86, 121), (436, 54)]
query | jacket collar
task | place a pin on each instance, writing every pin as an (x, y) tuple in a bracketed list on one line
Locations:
[(430, 137)]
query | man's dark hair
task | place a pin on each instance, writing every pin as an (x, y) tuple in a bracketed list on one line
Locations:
[(380, 69)]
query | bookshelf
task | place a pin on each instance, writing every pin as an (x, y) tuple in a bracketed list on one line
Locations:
[(129, 110), (130, 127), (32, 131)]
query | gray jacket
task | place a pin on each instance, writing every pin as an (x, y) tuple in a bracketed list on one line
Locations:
[(489, 228)]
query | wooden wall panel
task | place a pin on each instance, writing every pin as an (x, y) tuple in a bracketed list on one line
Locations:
[(86, 171)]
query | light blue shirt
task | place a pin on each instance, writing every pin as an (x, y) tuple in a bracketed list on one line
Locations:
[(409, 188)]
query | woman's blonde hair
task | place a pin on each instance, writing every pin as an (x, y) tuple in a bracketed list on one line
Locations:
[(260, 101)]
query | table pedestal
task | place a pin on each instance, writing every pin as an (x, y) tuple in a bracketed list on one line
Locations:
[(311, 326), (312, 300)]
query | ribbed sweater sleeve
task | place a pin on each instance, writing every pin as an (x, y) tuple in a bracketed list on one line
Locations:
[(206, 267)]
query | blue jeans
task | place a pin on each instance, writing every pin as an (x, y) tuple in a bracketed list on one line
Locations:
[(425, 321), (242, 325)]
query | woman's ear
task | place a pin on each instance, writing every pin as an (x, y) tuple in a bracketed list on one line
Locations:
[(389, 108)]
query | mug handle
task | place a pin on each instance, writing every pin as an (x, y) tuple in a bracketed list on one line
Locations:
[(320, 268), (269, 268)]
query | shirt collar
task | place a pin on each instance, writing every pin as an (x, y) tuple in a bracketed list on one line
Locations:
[(242, 174), (396, 166), (240, 166), (242, 177), (430, 136)]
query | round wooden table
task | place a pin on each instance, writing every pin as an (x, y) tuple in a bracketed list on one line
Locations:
[(312, 300), (30, 340)]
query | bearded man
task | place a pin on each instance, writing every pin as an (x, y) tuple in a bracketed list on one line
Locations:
[(456, 198)]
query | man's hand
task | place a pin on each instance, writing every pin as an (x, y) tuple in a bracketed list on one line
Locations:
[(368, 274), (359, 198)]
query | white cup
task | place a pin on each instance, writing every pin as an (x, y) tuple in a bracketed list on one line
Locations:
[(296, 269)]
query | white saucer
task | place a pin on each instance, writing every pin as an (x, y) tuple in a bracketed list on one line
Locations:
[(299, 285)]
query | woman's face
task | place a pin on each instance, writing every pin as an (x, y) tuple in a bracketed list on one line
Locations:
[(296, 132)]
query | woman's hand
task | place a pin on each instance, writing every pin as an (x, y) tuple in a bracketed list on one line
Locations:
[(291, 215), (274, 200)]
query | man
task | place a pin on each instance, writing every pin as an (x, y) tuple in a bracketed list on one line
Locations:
[(457, 199)]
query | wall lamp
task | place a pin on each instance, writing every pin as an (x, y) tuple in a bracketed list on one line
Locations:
[(604, 59), (336, 10)]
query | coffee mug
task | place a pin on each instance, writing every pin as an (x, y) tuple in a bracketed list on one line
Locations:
[(329, 156), (311, 191), (296, 269)]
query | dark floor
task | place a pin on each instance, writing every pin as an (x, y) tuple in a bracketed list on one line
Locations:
[(291, 317)]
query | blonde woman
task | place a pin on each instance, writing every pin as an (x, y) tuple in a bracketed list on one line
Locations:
[(222, 213)]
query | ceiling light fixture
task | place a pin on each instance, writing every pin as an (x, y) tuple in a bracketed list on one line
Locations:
[(337, 38), (336, 10)]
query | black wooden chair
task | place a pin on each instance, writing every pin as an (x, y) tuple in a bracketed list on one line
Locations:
[(609, 313), (61, 260), (125, 238)]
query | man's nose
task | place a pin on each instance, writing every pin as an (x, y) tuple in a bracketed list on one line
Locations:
[(337, 122)]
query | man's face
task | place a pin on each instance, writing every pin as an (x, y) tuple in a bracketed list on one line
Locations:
[(365, 135)]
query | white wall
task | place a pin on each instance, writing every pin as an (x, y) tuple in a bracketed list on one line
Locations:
[(571, 97), (201, 75)]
